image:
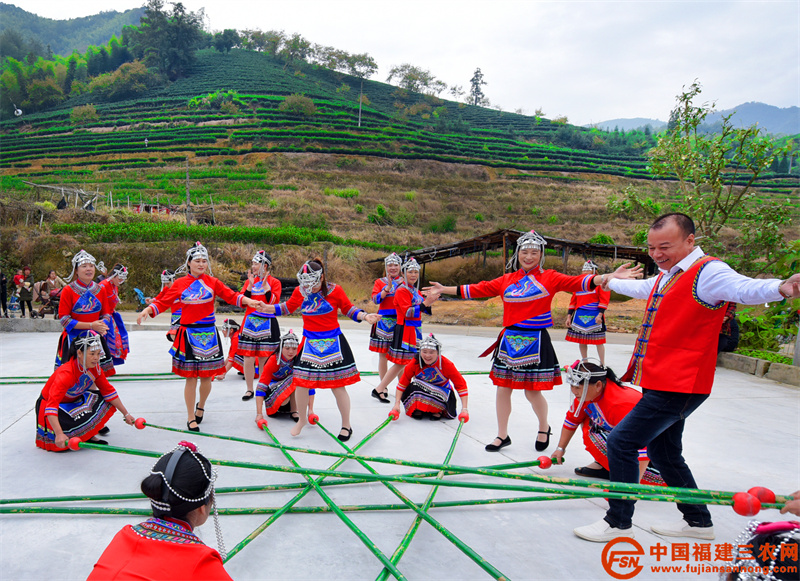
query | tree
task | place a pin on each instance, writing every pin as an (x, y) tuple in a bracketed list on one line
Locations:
[(476, 95), (295, 48), (413, 78), (224, 41), (716, 175)]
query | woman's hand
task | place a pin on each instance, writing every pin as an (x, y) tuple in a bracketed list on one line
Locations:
[(599, 318), (434, 287), (61, 440), (371, 318), (558, 456), (568, 321), (263, 307), (129, 419), (99, 327), (146, 312)]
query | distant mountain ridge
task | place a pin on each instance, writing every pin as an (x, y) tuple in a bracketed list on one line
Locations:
[(65, 36), (774, 120)]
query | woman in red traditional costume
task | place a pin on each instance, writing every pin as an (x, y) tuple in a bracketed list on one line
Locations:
[(68, 407), (380, 339), (429, 385), (165, 547), (260, 333), (600, 404), (325, 361), (586, 323), (276, 384), (524, 357), (196, 351), (409, 305), (117, 336), (83, 306)]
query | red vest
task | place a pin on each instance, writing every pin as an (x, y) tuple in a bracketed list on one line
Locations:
[(677, 345)]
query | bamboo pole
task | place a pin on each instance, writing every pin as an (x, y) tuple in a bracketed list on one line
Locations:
[(369, 543), (422, 514)]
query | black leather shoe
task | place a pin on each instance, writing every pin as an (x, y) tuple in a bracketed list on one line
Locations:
[(381, 396), (601, 472), (541, 446), (345, 437), (199, 419), (190, 428), (104, 430), (503, 443)]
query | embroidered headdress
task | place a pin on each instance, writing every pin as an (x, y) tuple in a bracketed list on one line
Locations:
[(120, 271), (167, 277), (309, 276), (429, 342), (288, 339), (579, 374), (589, 266), (196, 251), (80, 259), (410, 264), (528, 240), (264, 262), (88, 341)]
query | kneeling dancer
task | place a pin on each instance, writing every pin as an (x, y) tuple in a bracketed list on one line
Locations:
[(276, 384)]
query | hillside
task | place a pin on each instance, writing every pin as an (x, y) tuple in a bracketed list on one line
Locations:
[(65, 36), (774, 120)]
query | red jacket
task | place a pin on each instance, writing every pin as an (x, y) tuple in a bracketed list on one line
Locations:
[(319, 312), (81, 304), (196, 296), (385, 305), (594, 298), (259, 290), (434, 374), (677, 345), (526, 296)]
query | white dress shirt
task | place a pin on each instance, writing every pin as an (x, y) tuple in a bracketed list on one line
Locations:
[(717, 282)]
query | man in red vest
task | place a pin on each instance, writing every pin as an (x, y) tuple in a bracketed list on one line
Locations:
[(673, 362)]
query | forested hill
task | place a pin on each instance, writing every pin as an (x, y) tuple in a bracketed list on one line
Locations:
[(63, 36)]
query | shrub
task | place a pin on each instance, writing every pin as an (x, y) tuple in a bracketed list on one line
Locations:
[(83, 114), (343, 193), (601, 238), (443, 224), (535, 211), (640, 238), (298, 105), (410, 196), (479, 217), (273, 203), (359, 209), (552, 219), (380, 216), (229, 162)]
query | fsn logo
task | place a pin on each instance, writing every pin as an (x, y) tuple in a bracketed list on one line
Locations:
[(621, 557)]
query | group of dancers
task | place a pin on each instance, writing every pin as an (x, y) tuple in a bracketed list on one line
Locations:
[(684, 313)]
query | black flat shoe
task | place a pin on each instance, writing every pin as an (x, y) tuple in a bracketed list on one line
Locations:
[(295, 416), (381, 396), (600, 473), (496, 447), (344, 438), (247, 395), (190, 428), (199, 419), (435, 417), (104, 430), (541, 446), (97, 440), (417, 415)]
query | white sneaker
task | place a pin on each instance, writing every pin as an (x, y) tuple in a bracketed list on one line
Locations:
[(601, 532), (683, 529)]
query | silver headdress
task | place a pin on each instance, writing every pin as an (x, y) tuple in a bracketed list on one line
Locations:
[(308, 277), (167, 476), (429, 342), (288, 339), (264, 262), (528, 240), (410, 264), (167, 277), (88, 341), (580, 375), (80, 259), (589, 266), (120, 271), (393, 258), (196, 251)]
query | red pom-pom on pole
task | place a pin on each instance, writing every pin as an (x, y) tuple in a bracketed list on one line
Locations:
[(140, 423), (74, 443), (261, 423), (313, 419), (394, 414), (544, 462), (765, 495), (746, 504)]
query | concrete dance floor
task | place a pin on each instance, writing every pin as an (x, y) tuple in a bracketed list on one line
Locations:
[(745, 435)]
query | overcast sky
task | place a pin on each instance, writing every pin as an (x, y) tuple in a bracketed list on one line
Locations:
[(590, 61)]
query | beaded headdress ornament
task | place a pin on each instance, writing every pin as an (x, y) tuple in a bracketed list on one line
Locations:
[(579, 375), (528, 240), (80, 259), (589, 266), (308, 278)]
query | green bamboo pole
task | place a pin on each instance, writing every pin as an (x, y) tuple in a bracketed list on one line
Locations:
[(496, 471), (412, 530), (249, 538), (462, 546), (665, 496), (369, 543)]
